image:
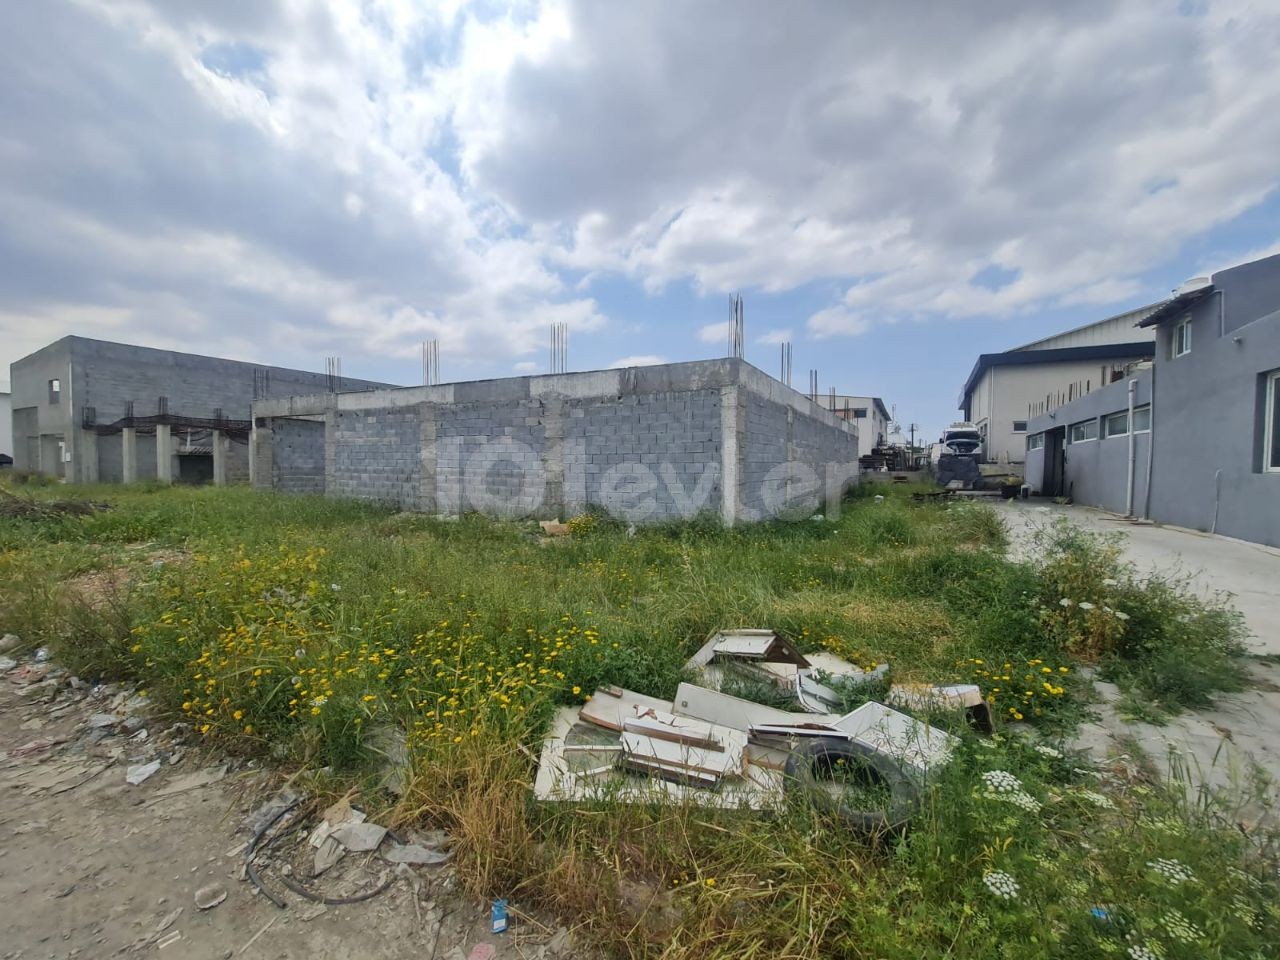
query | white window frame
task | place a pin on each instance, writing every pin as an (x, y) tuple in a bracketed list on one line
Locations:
[(1182, 326), (1270, 426), (1035, 441), (1079, 423), (1107, 432), (1142, 408), (1015, 426)]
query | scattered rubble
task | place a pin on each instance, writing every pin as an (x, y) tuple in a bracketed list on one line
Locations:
[(141, 772), (709, 747), (209, 896)]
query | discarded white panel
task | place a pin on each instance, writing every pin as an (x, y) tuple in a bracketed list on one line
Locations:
[(827, 662), (724, 759), (763, 645), (791, 730), (956, 696), (917, 745), (612, 706), (711, 705), (760, 789), (923, 696)]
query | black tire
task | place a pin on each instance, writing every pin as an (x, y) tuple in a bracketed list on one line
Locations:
[(817, 753)]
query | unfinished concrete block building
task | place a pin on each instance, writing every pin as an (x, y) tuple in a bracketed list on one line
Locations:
[(98, 412), (644, 443)]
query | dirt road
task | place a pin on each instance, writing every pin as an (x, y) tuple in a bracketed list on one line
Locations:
[(91, 866)]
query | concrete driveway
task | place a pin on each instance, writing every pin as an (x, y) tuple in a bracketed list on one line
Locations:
[(1233, 749)]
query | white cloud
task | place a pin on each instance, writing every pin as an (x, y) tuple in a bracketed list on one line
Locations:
[(525, 366), (639, 360), (1077, 145), (714, 333), (295, 179), (781, 335)]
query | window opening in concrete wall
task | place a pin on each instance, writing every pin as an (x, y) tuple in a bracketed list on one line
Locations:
[(1142, 419), (1182, 337), (1116, 424), (55, 390), (1082, 431), (859, 413), (1035, 441), (1271, 445), (1019, 426)]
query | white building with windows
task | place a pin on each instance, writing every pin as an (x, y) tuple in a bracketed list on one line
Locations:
[(869, 413), (1005, 390)]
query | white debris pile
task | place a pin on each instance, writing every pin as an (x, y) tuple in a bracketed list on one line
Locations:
[(713, 748)]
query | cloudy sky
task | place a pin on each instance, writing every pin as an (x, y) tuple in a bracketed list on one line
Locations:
[(894, 187)]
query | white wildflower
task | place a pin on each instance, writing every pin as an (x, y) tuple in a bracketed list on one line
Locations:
[(1180, 928), (1048, 751), (1170, 825), (1243, 909), (319, 701), (1097, 799), (1110, 582), (1142, 952), (1086, 605), (1122, 615), (1065, 602), (1173, 871), (1001, 781), (334, 587), (1001, 884)]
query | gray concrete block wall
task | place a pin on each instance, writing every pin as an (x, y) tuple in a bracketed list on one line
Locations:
[(824, 450), (111, 459), (789, 460), (647, 444), (106, 376), (376, 455), (297, 456), (489, 457), (146, 456), (674, 434), (109, 375), (237, 461), (764, 455)]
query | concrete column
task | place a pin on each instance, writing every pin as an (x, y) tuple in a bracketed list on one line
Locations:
[(164, 453), (129, 454), (261, 457), (219, 459), (428, 424), (553, 499), (731, 399), (330, 451), (86, 469)]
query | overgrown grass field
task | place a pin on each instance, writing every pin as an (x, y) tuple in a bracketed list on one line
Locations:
[(303, 629)]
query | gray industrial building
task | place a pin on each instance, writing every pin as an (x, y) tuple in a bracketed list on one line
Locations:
[(644, 443), (98, 412), (1201, 448)]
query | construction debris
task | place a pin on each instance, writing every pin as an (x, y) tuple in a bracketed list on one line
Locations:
[(140, 772), (208, 897), (711, 748)]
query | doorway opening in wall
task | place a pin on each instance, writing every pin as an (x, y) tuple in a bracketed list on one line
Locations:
[(1053, 480), (195, 467)]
